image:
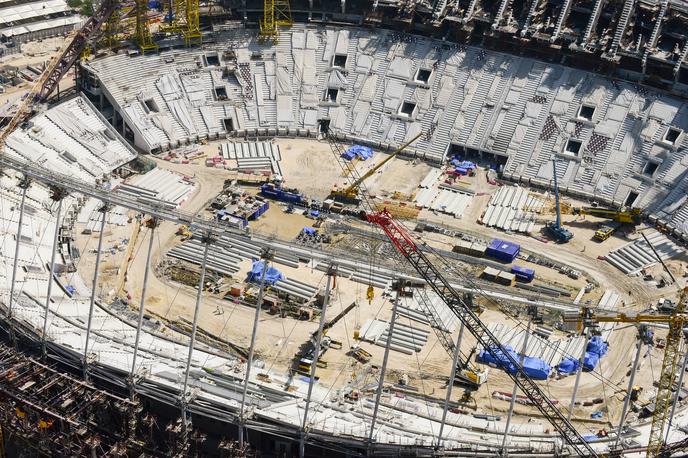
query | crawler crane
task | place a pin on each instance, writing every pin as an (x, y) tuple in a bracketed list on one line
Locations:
[(407, 247)]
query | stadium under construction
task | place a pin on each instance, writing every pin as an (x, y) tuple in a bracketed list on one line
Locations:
[(351, 228)]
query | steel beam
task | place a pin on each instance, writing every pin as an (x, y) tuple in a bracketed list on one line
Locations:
[(94, 287), (267, 255), (385, 360), (194, 327), (152, 224), (58, 195), (331, 272), (24, 185)]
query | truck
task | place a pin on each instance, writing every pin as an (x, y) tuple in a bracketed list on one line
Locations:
[(606, 230)]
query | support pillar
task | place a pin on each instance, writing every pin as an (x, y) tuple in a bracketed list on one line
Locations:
[(24, 185), (678, 391), (332, 271), (578, 374), (452, 378), (267, 255), (58, 195), (152, 224), (628, 394), (94, 287), (397, 287), (513, 391), (207, 240)]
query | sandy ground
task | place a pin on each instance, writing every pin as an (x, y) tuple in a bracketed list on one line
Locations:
[(280, 339), (33, 53)]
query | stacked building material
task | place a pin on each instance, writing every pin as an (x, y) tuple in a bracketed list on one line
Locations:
[(452, 202), (160, 186), (512, 208), (253, 156), (296, 289), (405, 339), (637, 255)]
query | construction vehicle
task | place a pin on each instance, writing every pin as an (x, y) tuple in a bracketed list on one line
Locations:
[(618, 218), (350, 194), (407, 248), (631, 216), (670, 361), (606, 230), (184, 231), (361, 355), (555, 230)]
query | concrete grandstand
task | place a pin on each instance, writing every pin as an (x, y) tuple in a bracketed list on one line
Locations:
[(116, 218)]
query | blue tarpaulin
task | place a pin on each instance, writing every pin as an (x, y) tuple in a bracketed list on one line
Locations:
[(597, 346), (309, 231), (590, 361), (272, 275), (536, 368), (568, 366), (70, 290), (315, 213), (363, 152)]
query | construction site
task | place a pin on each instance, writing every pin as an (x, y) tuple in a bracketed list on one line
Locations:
[(323, 229)]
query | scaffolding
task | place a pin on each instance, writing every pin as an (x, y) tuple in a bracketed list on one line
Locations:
[(276, 13), (183, 19), (144, 40)]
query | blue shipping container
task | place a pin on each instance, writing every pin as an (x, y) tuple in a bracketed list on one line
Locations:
[(502, 250), (523, 274)]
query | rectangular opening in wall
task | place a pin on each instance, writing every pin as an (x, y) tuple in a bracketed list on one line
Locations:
[(650, 168), (407, 108), (151, 105), (672, 135), (331, 95), (220, 93), (212, 60), (339, 60), (586, 112), (228, 123), (573, 146), (630, 200), (423, 75), (324, 125)]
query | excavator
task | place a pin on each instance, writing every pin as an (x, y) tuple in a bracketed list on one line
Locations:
[(617, 218), (350, 194)]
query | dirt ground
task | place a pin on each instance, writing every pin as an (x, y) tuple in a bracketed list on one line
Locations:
[(280, 339)]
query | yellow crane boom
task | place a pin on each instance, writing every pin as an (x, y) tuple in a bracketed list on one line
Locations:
[(350, 193), (676, 322), (632, 216)]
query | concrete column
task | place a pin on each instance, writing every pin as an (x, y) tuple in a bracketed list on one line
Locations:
[(152, 224), (57, 195), (194, 326), (314, 363), (94, 286), (452, 378), (385, 359), (266, 257), (24, 185)]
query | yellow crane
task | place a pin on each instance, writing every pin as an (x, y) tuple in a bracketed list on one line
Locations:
[(350, 193), (631, 216), (276, 13), (670, 361)]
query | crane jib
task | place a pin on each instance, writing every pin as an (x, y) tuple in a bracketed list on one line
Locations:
[(405, 244)]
